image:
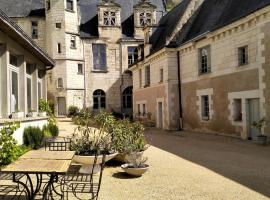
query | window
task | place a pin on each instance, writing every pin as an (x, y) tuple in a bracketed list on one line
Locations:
[(237, 110), (205, 107), (70, 5), (132, 55), (144, 109), (39, 89), (14, 99), (29, 93), (243, 55), (13, 60), (145, 18), (99, 100), (99, 57), (161, 75), (73, 42), (35, 30), (59, 50), (80, 69), (48, 4), (204, 60), (109, 18), (60, 83), (127, 98), (58, 25), (147, 76), (140, 77), (139, 109)]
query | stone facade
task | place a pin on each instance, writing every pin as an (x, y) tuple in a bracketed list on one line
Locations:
[(236, 94), (78, 88)]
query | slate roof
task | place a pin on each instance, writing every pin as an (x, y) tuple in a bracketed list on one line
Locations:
[(167, 25), (88, 10), (215, 14)]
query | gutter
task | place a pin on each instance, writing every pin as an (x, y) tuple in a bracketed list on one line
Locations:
[(179, 91)]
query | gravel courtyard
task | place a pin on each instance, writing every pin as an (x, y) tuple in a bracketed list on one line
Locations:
[(192, 166)]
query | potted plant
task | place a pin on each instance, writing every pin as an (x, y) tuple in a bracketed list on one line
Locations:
[(261, 139), (18, 114), (136, 165), (33, 113), (43, 108), (88, 141), (128, 138)]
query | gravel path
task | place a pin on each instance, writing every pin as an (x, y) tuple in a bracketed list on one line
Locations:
[(192, 166)]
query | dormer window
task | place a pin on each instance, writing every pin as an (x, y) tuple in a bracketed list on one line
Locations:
[(145, 18), (70, 5), (109, 18)]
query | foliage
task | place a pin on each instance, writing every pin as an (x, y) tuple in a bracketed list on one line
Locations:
[(87, 140), (33, 137), (53, 129), (44, 106), (128, 137), (9, 150), (84, 118), (259, 124), (136, 161), (73, 111)]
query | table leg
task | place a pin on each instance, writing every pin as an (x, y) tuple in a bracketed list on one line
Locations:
[(30, 194), (50, 187)]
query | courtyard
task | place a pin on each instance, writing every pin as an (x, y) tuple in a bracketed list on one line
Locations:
[(185, 165)]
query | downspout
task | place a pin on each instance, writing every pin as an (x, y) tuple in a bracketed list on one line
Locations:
[(180, 91), (122, 77), (84, 68)]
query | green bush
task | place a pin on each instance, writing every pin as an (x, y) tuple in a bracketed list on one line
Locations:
[(73, 111), (33, 137), (9, 150), (53, 129)]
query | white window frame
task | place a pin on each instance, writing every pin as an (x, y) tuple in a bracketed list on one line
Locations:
[(145, 18), (61, 87), (205, 92), (204, 60), (73, 42), (109, 18), (17, 71)]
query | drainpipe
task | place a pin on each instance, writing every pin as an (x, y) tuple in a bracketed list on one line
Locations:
[(179, 91), (84, 68), (122, 76)]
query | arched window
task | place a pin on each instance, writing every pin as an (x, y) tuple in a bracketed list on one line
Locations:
[(99, 100), (127, 98)]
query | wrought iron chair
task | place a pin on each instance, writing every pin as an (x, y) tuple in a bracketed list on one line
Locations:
[(58, 144), (84, 186), (12, 188)]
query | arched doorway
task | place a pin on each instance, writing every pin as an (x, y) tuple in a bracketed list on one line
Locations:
[(127, 101), (99, 100)]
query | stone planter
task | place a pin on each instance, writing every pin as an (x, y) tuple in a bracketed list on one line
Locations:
[(88, 161), (33, 114), (42, 114), (123, 158), (261, 139), (135, 171), (18, 115)]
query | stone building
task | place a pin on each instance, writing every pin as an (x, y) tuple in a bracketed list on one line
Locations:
[(93, 43), (218, 58), (23, 66)]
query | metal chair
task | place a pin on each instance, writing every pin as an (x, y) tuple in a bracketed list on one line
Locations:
[(84, 186), (58, 144), (12, 188)]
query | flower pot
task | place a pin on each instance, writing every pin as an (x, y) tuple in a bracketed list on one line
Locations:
[(122, 157), (42, 114), (18, 115), (135, 171), (88, 161), (261, 139), (33, 114)]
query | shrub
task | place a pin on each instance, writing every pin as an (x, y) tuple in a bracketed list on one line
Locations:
[(53, 129), (9, 150), (33, 137), (73, 111)]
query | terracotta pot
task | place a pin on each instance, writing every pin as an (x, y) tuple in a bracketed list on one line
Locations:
[(135, 171), (88, 161)]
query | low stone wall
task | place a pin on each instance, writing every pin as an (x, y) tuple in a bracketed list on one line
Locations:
[(18, 135)]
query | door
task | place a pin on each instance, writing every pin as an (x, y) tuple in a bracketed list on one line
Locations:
[(160, 115), (127, 101), (253, 116), (61, 106)]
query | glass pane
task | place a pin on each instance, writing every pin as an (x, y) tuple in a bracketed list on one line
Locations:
[(14, 91), (95, 103), (29, 94), (99, 57), (103, 102)]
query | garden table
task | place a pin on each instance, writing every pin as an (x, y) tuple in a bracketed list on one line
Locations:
[(42, 162)]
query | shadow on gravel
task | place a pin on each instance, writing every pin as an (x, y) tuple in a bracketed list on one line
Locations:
[(123, 175), (241, 161)]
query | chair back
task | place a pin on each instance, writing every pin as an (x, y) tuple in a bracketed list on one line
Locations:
[(57, 145)]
